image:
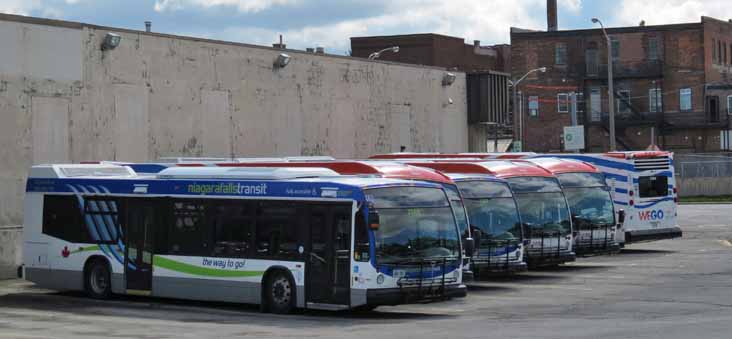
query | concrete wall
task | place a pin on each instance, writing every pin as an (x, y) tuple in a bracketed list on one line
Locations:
[(10, 251), (64, 99), (704, 186)]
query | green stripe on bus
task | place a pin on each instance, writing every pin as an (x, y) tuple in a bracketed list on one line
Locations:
[(86, 249), (202, 271)]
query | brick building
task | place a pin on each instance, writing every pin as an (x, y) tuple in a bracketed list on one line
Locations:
[(489, 117), (435, 50), (671, 81)]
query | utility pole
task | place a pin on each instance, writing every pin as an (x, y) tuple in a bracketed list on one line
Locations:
[(611, 91)]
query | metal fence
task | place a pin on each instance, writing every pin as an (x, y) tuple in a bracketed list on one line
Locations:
[(703, 165)]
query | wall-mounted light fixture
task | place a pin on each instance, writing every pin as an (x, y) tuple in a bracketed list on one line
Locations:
[(448, 79), (111, 41), (282, 60)]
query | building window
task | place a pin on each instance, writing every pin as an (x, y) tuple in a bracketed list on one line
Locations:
[(714, 51), (623, 102), (616, 48), (653, 49), (580, 102), (685, 99), (595, 104), (655, 100), (563, 103), (729, 104), (533, 106), (719, 51), (560, 54), (724, 50)]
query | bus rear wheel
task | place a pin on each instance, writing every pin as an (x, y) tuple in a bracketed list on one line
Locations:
[(97, 280), (280, 293)]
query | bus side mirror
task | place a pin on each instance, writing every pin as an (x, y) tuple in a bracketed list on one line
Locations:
[(469, 244), (374, 220), (621, 216)]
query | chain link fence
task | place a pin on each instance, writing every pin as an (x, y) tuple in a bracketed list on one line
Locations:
[(717, 165)]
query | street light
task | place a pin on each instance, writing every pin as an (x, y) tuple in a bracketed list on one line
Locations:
[(611, 91), (376, 55), (514, 84)]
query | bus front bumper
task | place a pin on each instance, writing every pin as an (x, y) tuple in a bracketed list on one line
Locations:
[(408, 295), (587, 250), (497, 267), (550, 260), (653, 235)]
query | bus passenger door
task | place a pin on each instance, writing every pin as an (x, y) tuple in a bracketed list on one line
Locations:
[(140, 220), (328, 263)]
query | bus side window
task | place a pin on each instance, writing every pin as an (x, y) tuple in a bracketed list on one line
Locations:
[(276, 230), (232, 225), (188, 232), (62, 219), (361, 249)]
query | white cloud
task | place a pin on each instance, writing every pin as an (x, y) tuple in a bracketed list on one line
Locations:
[(573, 6), (658, 12), (244, 6), (22, 7)]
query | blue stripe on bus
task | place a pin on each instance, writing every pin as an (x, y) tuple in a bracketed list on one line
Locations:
[(621, 203), (617, 177), (654, 203), (621, 190), (595, 161)]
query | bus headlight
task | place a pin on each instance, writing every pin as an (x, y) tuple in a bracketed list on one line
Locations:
[(380, 279)]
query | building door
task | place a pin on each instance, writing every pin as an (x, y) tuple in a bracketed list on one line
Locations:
[(328, 263), (140, 219), (595, 104), (713, 108)]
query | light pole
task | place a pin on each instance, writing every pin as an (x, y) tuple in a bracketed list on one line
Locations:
[(611, 91), (514, 84), (376, 55)]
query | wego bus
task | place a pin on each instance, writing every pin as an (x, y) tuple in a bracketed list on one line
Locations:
[(281, 237), (543, 209)]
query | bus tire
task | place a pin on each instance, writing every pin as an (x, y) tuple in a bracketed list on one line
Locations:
[(279, 292), (97, 279)]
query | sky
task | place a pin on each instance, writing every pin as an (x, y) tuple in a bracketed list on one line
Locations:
[(330, 23)]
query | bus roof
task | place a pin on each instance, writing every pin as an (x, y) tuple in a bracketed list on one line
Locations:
[(498, 168), (386, 169), (109, 174), (559, 166), (395, 156)]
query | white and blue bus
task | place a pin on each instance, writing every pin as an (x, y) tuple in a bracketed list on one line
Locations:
[(283, 238)]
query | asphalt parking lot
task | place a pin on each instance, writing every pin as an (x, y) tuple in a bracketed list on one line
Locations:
[(668, 289)]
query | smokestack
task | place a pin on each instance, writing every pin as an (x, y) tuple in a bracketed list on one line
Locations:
[(319, 50), (476, 43), (551, 15), (148, 26)]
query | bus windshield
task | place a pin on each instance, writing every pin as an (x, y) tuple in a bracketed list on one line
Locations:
[(416, 223), (542, 205), (492, 210), (589, 198)]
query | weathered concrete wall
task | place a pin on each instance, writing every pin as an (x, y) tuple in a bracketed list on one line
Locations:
[(10, 250), (703, 186), (64, 99)]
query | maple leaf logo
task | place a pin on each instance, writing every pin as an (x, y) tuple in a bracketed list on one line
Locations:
[(65, 253)]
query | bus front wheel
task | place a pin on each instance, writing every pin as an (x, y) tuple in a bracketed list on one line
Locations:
[(97, 280), (280, 293)]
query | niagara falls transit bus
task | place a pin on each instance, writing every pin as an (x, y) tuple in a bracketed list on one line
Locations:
[(642, 182), (280, 237), (384, 169), (590, 202), (543, 209), (493, 216)]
